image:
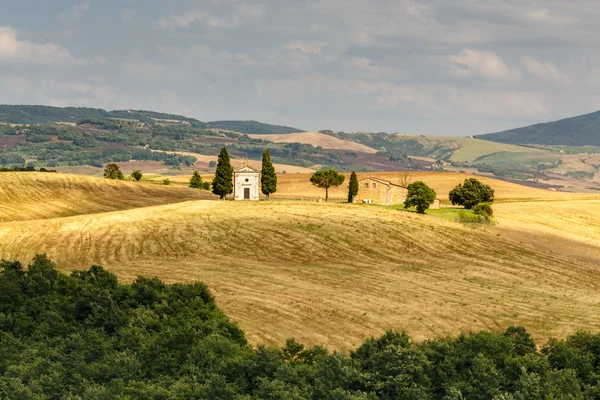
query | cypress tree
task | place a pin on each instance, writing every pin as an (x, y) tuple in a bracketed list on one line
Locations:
[(223, 182), (196, 181), (352, 187), (268, 178)]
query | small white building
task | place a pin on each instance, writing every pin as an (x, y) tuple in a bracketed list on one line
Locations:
[(246, 183)]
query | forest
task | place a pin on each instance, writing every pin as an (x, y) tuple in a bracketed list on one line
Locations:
[(88, 336)]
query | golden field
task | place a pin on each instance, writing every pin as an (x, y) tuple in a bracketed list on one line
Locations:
[(334, 274)]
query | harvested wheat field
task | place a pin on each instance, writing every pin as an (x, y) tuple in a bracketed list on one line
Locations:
[(316, 139), (36, 195), (334, 274), (298, 186)]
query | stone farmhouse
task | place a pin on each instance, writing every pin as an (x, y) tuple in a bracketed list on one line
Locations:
[(374, 190), (246, 183)]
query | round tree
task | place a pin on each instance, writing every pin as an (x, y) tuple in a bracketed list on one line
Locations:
[(268, 176), (420, 196), (113, 171), (223, 182), (352, 187), (470, 193), (196, 181), (327, 178), (136, 175)]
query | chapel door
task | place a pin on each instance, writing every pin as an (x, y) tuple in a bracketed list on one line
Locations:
[(246, 193)]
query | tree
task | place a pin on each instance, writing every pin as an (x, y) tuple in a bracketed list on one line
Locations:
[(352, 187), (113, 171), (268, 176), (471, 193), (137, 175), (327, 178), (223, 182), (196, 181), (405, 178), (419, 195)]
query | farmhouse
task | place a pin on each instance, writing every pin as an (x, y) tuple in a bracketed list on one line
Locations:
[(246, 181), (374, 190)]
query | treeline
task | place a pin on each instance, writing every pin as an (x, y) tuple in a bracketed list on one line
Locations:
[(25, 169), (88, 336)]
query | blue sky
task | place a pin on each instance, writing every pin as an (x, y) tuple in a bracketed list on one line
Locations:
[(453, 67)]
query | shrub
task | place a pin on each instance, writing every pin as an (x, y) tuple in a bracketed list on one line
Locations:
[(137, 175), (471, 193), (166, 181), (484, 209), (420, 196), (113, 171)]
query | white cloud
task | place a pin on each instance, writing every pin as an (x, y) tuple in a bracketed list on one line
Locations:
[(241, 14), (128, 15), (547, 17), (547, 70), (75, 12), (305, 46), (140, 68), (486, 64), (23, 51)]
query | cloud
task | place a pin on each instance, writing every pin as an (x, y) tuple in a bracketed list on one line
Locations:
[(75, 12), (13, 50), (486, 64), (241, 14), (140, 68), (128, 15), (547, 17), (305, 46), (547, 71)]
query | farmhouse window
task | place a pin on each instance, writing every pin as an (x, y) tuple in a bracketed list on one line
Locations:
[(374, 186), (367, 185)]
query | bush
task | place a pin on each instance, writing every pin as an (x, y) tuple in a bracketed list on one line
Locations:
[(137, 175), (166, 181), (112, 171), (471, 193), (420, 196), (468, 218), (484, 209)]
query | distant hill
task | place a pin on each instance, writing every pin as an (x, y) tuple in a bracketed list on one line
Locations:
[(33, 114), (252, 127), (583, 130), (28, 114)]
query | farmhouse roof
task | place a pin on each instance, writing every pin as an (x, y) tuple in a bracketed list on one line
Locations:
[(383, 181)]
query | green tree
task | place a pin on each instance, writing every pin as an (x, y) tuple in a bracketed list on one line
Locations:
[(470, 193), (223, 182), (113, 171), (352, 187), (196, 181), (419, 195), (327, 178), (137, 175), (268, 176)]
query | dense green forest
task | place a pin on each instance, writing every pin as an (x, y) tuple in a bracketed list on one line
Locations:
[(583, 130), (87, 336)]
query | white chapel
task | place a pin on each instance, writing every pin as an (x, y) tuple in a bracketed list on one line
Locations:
[(246, 183)]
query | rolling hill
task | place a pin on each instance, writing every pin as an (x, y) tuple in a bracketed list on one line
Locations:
[(583, 130), (334, 274), (251, 127), (36, 195)]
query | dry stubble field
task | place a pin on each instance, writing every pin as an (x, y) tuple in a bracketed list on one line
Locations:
[(334, 274)]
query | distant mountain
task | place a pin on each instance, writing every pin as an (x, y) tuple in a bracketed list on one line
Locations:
[(32, 114), (252, 127), (577, 131)]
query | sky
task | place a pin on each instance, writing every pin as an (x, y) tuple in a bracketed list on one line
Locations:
[(440, 67)]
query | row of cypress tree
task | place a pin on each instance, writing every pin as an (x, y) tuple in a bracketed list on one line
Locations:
[(222, 184)]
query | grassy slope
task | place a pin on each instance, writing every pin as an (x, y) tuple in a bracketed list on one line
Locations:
[(29, 195), (577, 131), (316, 139), (334, 274), (471, 149)]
